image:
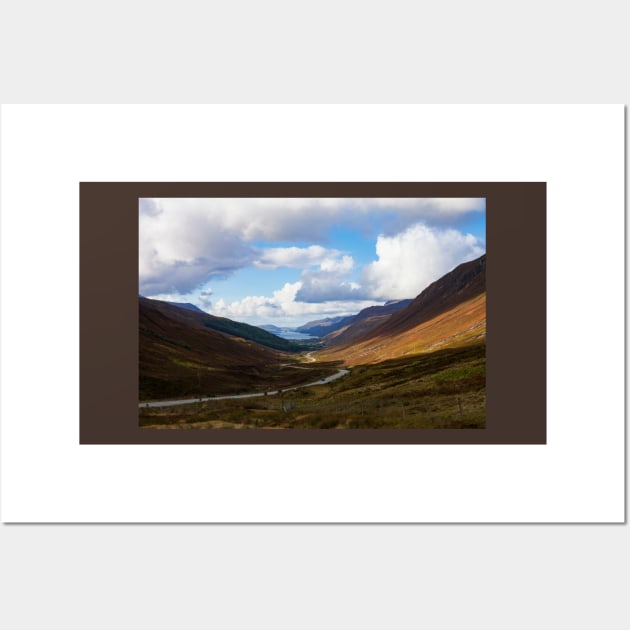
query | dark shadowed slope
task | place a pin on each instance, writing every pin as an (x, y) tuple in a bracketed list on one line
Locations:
[(223, 324), (179, 356)]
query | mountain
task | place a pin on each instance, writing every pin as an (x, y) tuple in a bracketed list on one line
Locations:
[(321, 327), (223, 324), (333, 329), (364, 321), (180, 356), (187, 305), (463, 283), (271, 328), (450, 312), (253, 333)]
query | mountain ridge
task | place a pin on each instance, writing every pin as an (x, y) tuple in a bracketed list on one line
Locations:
[(319, 326), (326, 327), (187, 305), (196, 317), (179, 356), (462, 283), (364, 321), (450, 312)]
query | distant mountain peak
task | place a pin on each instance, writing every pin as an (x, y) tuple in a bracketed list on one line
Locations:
[(364, 321)]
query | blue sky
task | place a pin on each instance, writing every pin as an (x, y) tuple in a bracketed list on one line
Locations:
[(288, 261)]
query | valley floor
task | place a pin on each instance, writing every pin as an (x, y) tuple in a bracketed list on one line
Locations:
[(441, 389)]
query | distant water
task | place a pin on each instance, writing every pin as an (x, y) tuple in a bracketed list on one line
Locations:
[(289, 333)]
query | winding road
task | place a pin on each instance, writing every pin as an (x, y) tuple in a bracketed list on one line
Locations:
[(169, 403)]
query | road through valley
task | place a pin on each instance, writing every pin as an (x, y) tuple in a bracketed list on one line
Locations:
[(322, 381)]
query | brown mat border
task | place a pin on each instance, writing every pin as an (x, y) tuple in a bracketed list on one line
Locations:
[(516, 312)]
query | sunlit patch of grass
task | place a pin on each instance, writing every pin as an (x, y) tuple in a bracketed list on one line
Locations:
[(466, 371)]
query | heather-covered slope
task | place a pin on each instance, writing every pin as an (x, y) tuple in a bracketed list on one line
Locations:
[(364, 321), (197, 318), (178, 356), (450, 312)]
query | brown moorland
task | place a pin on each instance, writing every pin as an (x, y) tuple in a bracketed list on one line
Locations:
[(181, 357), (451, 312)]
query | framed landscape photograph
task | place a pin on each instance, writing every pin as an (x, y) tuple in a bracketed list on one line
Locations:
[(312, 313), (317, 313)]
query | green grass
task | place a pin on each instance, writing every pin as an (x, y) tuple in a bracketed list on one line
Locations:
[(467, 371)]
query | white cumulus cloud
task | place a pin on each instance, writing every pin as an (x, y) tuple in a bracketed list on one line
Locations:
[(184, 244), (409, 261), (343, 265), (283, 307), (297, 257)]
